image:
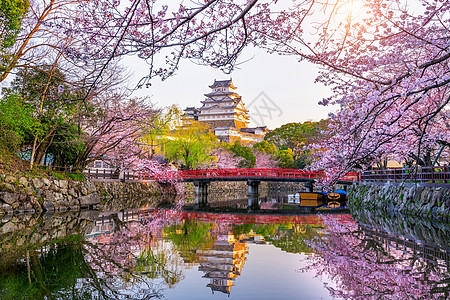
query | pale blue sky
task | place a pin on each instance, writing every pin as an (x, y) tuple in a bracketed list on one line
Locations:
[(287, 83)]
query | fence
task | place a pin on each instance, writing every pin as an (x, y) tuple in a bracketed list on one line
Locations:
[(268, 173), (420, 174), (110, 174)]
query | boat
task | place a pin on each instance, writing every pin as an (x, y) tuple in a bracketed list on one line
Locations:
[(312, 199), (294, 198), (336, 198)]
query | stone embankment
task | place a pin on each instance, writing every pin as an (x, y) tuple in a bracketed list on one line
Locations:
[(32, 195), (408, 226), (23, 231), (427, 201)]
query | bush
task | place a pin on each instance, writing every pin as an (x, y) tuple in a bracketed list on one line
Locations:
[(77, 176), (10, 140), (58, 176)]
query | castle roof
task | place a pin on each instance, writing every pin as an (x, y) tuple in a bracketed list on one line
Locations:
[(220, 93), (223, 100), (223, 83)]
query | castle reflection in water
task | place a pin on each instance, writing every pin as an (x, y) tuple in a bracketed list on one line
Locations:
[(223, 263)]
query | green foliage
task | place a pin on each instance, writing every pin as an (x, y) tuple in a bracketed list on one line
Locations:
[(160, 126), (297, 137), (265, 147), (190, 145), (57, 175), (265, 230), (67, 145), (39, 105), (293, 239), (239, 230), (11, 15), (16, 122), (302, 160), (246, 153), (286, 158), (154, 266), (76, 176), (189, 237), (49, 277)]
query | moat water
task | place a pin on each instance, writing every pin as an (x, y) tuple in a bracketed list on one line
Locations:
[(147, 253)]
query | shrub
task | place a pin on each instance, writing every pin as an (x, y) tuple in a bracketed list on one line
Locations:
[(76, 176)]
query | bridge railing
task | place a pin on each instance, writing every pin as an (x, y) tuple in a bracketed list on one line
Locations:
[(249, 173), (421, 174), (252, 173), (98, 174)]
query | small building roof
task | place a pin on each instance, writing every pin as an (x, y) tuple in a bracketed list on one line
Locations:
[(253, 129), (224, 128)]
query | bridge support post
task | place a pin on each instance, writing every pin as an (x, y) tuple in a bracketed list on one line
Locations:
[(253, 194), (309, 186), (201, 193)]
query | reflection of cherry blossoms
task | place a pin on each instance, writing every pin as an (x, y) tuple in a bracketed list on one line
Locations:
[(136, 250), (365, 268)]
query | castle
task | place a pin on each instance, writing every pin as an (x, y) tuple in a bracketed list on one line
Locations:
[(224, 112)]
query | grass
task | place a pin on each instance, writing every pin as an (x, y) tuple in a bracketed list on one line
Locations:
[(11, 164), (76, 176)]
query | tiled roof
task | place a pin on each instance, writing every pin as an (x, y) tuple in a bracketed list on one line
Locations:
[(222, 83), (218, 93), (204, 108), (224, 99)]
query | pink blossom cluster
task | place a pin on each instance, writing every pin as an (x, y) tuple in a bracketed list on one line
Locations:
[(365, 268), (390, 77)]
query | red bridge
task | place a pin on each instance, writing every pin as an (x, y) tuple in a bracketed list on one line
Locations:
[(294, 175), (202, 178)]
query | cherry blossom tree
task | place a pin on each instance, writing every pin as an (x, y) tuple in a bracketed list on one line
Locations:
[(116, 134), (388, 66), (45, 30), (265, 161), (224, 159), (386, 61), (134, 252), (210, 32), (95, 33)]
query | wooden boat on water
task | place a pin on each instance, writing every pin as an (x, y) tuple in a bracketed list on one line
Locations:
[(336, 199), (312, 199)]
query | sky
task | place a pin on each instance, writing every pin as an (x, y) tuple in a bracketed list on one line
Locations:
[(275, 89)]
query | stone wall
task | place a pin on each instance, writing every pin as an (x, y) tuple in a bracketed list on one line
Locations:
[(231, 190), (34, 195), (410, 199), (19, 232), (409, 226)]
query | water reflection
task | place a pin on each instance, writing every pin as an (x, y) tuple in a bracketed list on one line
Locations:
[(150, 253), (368, 262)]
